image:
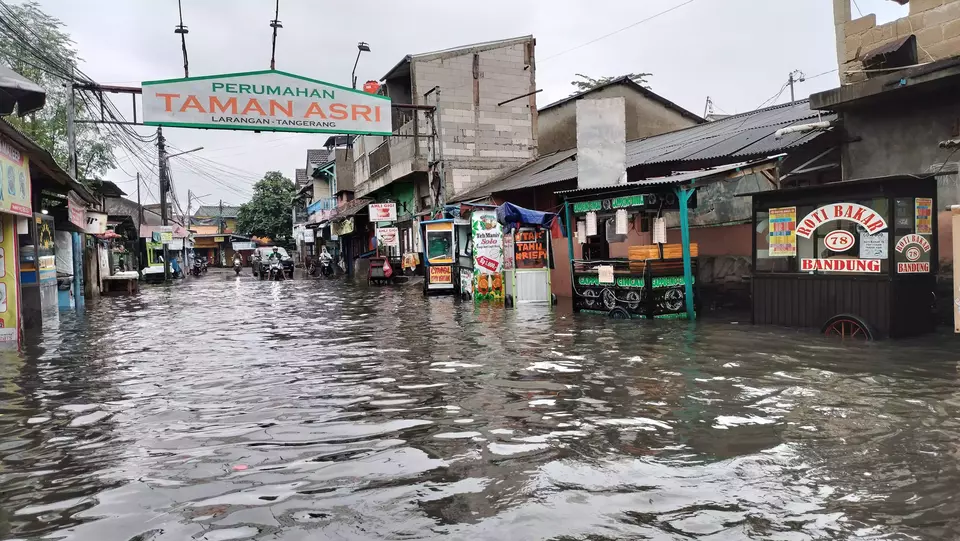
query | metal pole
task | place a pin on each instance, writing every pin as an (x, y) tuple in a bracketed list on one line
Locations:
[(71, 130), (683, 194), (566, 210), (273, 49), (164, 219), (353, 74), (792, 98), (139, 227)]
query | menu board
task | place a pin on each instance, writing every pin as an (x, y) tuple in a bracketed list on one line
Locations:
[(783, 232), (924, 216), (531, 249)]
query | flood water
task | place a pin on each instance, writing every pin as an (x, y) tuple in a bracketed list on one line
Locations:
[(233, 409)]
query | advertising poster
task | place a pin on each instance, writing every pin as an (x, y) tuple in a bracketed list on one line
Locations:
[(441, 274), (487, 255), (466, 282), (531, 249), (9, 290), (873, 246), (783, 232), (924, 216), (383, 212), (913, 254), (509, 259), (14, 180), (388, 237)]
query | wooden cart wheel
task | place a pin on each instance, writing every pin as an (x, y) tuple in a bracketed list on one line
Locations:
[(618, 313), (848, 326), (590, 297)]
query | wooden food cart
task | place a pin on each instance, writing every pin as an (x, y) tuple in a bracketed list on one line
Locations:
[(439, 249), (856, 259)]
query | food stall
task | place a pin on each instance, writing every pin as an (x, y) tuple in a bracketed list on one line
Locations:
[(439, 246), (528, 252), (654, 281), (856, 259)]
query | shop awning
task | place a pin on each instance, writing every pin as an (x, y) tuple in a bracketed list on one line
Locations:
[(18, 92)]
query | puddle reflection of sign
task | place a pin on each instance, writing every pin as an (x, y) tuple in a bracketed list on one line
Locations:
[(531, 249), (440, 275)]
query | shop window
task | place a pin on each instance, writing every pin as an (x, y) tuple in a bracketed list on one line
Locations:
[(596, 249), (862, 244), (765, 261)]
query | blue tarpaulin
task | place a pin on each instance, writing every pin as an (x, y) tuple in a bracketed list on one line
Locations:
[(511, 215)]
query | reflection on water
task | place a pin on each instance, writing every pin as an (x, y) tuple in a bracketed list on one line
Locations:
[(233, 409)]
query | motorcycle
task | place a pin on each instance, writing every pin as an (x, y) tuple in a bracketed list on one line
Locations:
[(203, 264), (326, 268), (196, 269), (237, 265), (276, 271)]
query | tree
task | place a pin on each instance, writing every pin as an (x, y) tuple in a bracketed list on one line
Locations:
[(269, 212), (45, 57), (584, 83)]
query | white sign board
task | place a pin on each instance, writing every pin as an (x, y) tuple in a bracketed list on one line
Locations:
[(266, 100), (308, 236), (96, 223), (383, 212), (388, 237), (238, 246), (873, 246)]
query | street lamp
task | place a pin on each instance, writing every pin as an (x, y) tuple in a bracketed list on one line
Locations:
[(362, 47)]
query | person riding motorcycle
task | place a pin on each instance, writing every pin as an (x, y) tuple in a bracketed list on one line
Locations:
[(326, 261)]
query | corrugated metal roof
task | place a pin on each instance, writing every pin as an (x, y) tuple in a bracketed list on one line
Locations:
[(737, 138), (686, 176)]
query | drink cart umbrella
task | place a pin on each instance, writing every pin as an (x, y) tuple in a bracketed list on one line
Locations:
[(528, 278), (511, 215)]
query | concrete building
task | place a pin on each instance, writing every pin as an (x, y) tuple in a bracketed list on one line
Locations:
[(485, 122), (932, 25), (647, 113)]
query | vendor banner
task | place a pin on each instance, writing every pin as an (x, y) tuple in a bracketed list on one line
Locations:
[(388, 237), (14, 180), (76, 210), (9, 284), (531, 249), (487, 255), (383, 212)]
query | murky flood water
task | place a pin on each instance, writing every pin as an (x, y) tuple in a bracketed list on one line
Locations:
[(234, 409)]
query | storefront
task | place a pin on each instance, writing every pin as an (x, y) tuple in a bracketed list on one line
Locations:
[(856, 259)]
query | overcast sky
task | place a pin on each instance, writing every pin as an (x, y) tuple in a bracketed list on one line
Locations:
[(738, 52)]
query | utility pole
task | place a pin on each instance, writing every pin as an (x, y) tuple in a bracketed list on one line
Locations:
[(183, 31), (796, 76), (275, 24), (220, 218), (707, 107), (162, 151)]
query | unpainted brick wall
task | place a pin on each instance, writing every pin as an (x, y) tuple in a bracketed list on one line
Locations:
[(935, 23)]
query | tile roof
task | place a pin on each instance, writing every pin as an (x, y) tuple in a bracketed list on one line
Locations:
[(212, 211), (737, 138), (301, 178), (318, 156)]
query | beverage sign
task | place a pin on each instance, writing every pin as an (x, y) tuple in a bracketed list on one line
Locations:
[(531, 249), (782, 236), (865, 216), (14, 180), (924, 216), (913, 254), (441, 274), (95, 223), (267, 100), (383, 212), (487, 255), (840, 265)]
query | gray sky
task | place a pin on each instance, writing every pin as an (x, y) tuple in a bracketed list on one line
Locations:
[(739, 52)]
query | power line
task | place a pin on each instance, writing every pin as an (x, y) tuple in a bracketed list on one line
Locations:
[(615, 32)]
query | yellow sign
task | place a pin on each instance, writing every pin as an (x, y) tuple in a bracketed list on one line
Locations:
[(9, 283), (783, 232), (14, 180), (441, 275), (218, 239)]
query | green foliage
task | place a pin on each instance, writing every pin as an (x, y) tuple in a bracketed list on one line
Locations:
[(584, 83), (50, 43), (269, 212)]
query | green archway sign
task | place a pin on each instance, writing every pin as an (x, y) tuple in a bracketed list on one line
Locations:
[(266, 100)]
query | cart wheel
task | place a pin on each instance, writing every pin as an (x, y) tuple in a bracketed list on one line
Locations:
[(618, 313), (633, 299), (508, 301), (590, 297), (848, 326)]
